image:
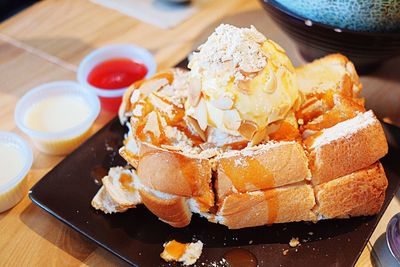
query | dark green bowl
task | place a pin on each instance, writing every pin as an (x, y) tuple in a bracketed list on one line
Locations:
[(366, 49)]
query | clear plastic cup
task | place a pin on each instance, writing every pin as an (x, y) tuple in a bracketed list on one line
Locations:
[(111, 98), (61, 142), (13, 190)]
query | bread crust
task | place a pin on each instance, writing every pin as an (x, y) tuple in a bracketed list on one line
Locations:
[(174, 211), (175, 173), (357, 194), (263, 167), (285, 204), (346, 154)]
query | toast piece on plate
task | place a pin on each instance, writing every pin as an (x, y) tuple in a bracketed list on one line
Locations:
[(187, 253), (262, 167), (346, 147), (284, 204), (360, 193), (332, 72), (118, 192), (176, 173)]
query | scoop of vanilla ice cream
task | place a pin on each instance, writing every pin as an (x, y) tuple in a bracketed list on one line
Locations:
[(240, 77)]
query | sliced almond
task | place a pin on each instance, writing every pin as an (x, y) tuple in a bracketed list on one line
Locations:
[(135, 96), (231, 120), (172, 148), (152, 124), (209, 153), (271, 84), (161, 105), (224, 103), (259, 137), (152, 85), (263, 134), (200, 114), (195, 125), (138, 111), (194, 91), (247, 129), (207, 145)]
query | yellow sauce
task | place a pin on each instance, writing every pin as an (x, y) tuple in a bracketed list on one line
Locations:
[(56, 114), (12, 162)]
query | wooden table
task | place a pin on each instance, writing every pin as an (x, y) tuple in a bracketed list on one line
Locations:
[(48, 40)]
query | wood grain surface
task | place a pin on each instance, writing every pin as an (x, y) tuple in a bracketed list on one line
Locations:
[(47, 41)]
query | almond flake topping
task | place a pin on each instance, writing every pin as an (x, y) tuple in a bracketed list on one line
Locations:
[(233, 51)]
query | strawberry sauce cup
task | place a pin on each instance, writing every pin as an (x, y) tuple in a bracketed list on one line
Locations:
[(110, 70)]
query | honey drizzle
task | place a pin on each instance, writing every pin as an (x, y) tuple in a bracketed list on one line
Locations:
[(249, 175), (239, 145), (271, 198), (189, 170), (286, 132), (176, 121), (126, 180), (187, 167), (310, 140), (175, 249), (326, 98), (346, 110)]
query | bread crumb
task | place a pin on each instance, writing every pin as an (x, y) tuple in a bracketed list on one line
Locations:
[(294, 242), (285, 252), (187, 253)]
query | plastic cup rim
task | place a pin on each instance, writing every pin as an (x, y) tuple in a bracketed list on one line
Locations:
[(90, 97), (27, 151), (146, 58)]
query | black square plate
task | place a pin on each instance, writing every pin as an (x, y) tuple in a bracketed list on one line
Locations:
[(137, 236)]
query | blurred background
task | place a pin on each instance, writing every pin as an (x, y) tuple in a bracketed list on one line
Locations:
[(9, 8)]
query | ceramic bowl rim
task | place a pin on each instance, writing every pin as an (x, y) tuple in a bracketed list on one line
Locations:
[(274, 4)]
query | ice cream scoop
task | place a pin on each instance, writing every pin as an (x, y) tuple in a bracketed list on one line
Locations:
[(240, 82)]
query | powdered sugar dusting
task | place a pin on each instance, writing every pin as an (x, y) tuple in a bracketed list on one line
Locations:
[(251, 151), (345, 129)]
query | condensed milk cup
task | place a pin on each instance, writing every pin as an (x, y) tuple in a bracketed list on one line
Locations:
[(53, 141), (18, 161)]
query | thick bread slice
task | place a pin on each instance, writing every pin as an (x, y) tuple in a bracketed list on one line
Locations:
[(175, 173), (357, 194), (262, 167), (333, 72), (346, 147), (284, 204), (118, 192), (173, 210)]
